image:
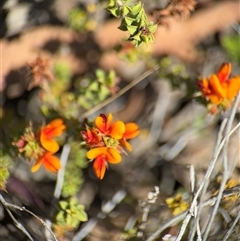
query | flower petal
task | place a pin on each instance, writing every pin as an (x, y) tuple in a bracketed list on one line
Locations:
[(103, 123), (36, 166), (113, 156), (126, 144), (224, 72), (216, 86), (95, 152), (99, 167), (53, 129), (204, 86), (91, 136), (51, 162), (49, 144), (215, 99), (233, 87), (117, 129), (131, 131)]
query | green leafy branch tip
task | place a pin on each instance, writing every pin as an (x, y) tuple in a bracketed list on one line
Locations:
[(134, 20)]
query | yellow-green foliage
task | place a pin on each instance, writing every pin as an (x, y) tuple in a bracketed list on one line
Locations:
[(134, 20), (73, 178), (232, 45), (4, 166), (71, 213)]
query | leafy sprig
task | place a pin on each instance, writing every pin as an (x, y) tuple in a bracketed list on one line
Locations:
[(133, 20)]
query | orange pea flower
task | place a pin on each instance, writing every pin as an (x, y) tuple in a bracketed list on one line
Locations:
[(49, 161), (101, 156), (105, 126), (53, 129), (131, 131), (219, 88)]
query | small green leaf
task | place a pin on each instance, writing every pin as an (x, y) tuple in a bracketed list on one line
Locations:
[(144, 38), (115, 12), (93, 86), (152, 28), (63, 205), (129, 21), (126, 10), (82, 216), (132, 29), (135, 9), (123, 26)]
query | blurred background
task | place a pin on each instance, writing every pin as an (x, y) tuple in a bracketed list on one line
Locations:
[(77, 48)]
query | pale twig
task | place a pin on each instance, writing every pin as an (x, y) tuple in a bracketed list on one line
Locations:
[(226, 236), (168, 224), (192, 178), (199, 235), (152, 197), (206, 177), (59, 185), (225, 168), (120, 93), (19, 225), (205, 184), (106, 209), (60, 177)]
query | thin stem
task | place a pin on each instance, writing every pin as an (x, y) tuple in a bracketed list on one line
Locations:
[(226, 236), (225, 166), (211, 201), (59, 185), (219, 139), (19, 225), (120, 93)]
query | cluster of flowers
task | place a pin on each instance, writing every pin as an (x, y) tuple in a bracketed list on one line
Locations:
[(107, 140), (219, 89), (41, 146)]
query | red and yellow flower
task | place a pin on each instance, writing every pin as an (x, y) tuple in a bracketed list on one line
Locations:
[(106, 127), (102, 156), (106, 140), (53, 129), (219, 89), (42, 146)]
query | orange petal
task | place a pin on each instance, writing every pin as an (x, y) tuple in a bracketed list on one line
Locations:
[(215, 99), (99, 167), (131, 131), (117, 129), (53, 129), (95, 152), (103, 123), (233, 87), (49, 144), (216, 86), (113, 156), (51, 162), (224, 72), (126, 144), (36, 166), (204, 86)]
